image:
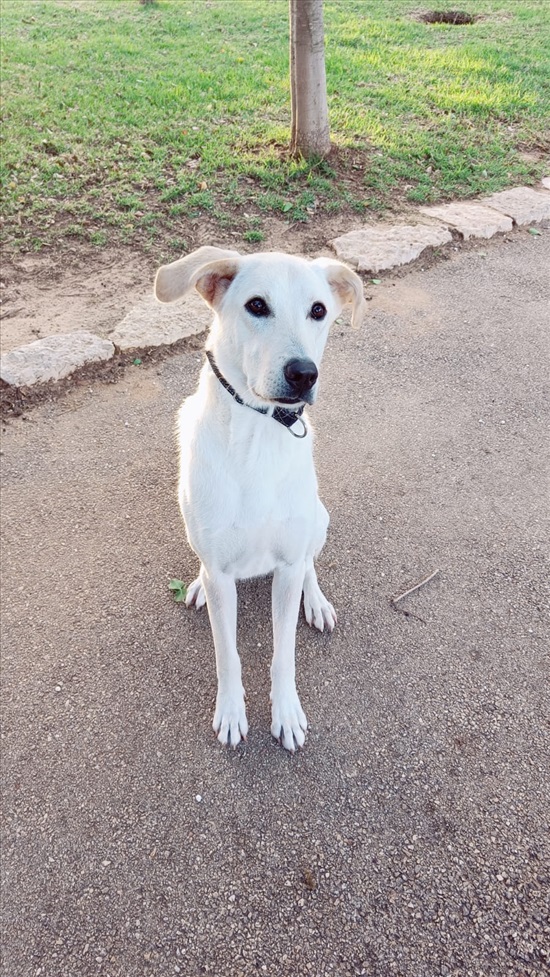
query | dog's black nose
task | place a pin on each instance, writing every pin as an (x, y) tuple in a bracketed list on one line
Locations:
[(301, 375)]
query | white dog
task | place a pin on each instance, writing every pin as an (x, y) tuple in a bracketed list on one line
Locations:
[(248, 490)]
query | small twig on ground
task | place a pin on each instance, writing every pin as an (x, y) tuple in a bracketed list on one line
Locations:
[(407, 593), (416, 587)]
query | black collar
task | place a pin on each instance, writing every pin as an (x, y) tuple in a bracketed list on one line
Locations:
[(285, 417)]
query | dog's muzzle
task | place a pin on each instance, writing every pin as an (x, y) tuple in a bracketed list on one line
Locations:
[(301, 376)]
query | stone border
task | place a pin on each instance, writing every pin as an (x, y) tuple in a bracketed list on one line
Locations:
[(53, 358), (150, 326), (385, 246), (15, 401)]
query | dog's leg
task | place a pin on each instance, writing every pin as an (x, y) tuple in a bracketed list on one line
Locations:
[(289, 723), (317, 609), (230, 716)]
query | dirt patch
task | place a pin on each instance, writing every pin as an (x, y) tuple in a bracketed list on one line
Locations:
[(453, 17), (48, 294), (83, 287)]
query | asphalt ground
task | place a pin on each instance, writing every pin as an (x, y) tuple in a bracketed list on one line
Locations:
[(410, 837)]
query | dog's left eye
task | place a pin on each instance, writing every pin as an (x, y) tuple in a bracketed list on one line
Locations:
[(257, 307), (318, 311)]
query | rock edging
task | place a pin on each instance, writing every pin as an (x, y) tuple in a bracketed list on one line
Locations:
[(53, 358), (385, 246)]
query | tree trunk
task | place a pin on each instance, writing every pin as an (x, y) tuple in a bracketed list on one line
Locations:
[(310, 135)]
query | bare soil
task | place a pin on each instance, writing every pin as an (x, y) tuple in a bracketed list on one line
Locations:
[(453, 17), (79, 286), (44, 294)]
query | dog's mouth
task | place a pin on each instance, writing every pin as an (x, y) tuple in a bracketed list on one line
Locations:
[(281, 401), (288, 400)]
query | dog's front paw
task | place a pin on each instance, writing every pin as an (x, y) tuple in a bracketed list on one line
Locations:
[(317, 609), (289, 723), (195, 595), (230, 724)]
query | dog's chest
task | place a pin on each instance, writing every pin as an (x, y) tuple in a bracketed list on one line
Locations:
[(270, 525), (252, 505)]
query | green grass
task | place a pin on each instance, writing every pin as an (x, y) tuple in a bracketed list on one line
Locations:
[(131, 122)]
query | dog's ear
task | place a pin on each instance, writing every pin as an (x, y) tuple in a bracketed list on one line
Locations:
[(210, 269), (347, 286), (215, 278)]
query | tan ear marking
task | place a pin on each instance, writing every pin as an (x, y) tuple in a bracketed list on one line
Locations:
[(173, 281), (347, 286), (213, 282)]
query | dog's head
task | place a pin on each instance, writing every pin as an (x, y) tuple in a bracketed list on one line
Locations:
[(273, 314)]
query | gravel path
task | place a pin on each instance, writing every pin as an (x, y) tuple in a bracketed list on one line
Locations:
[(411, 835)]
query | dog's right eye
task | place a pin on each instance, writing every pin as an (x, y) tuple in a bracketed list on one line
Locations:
[(257, 307)]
